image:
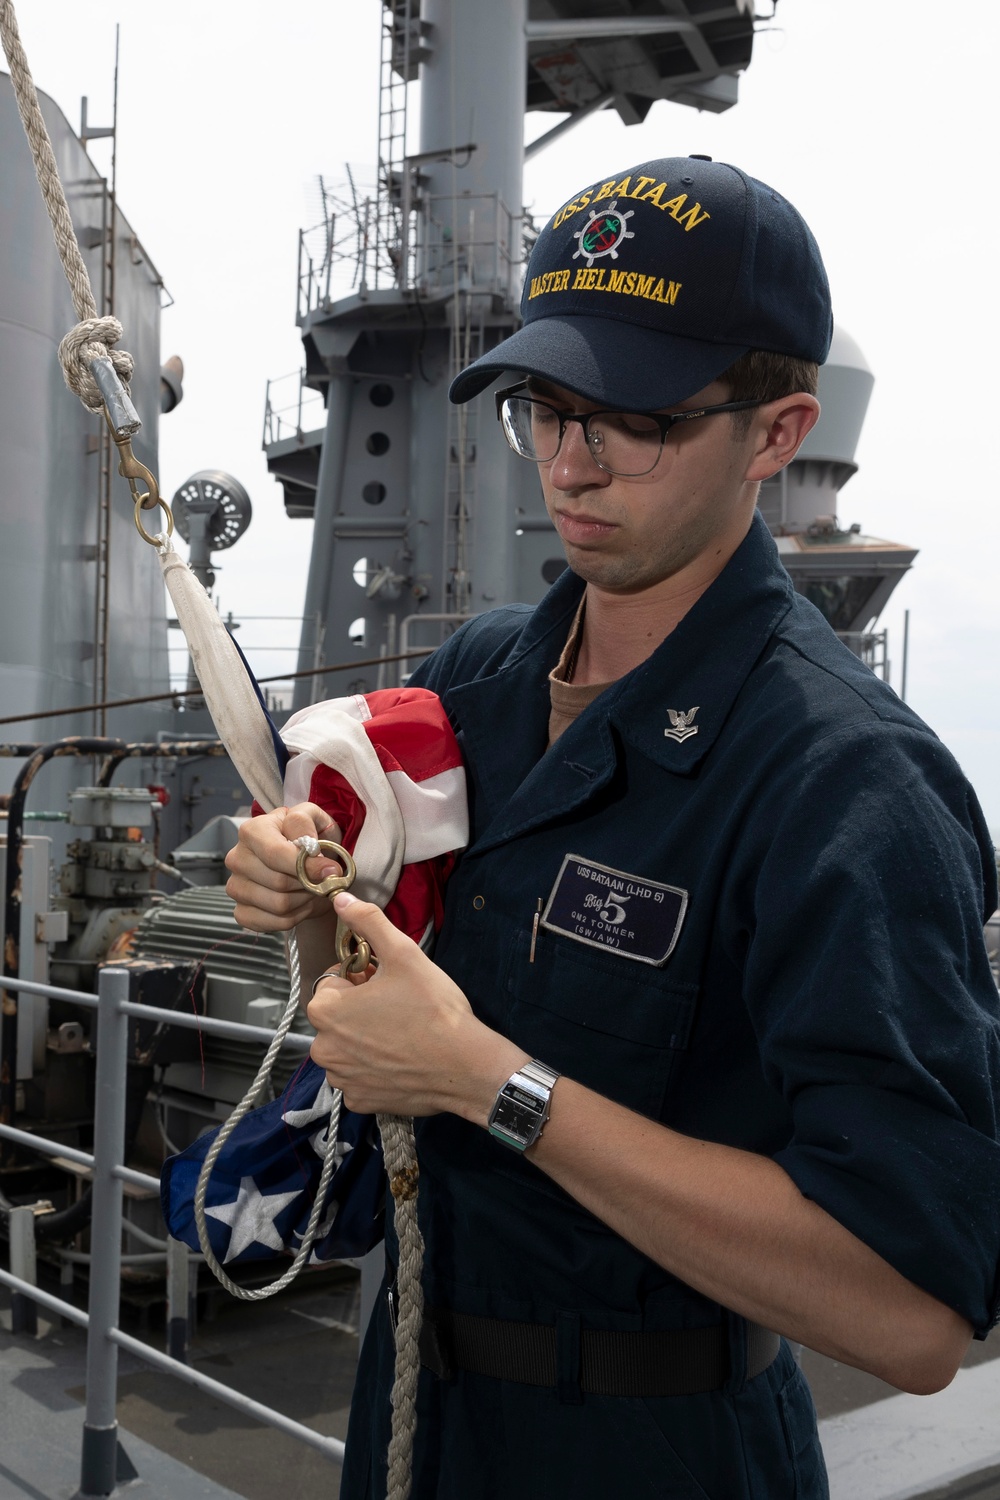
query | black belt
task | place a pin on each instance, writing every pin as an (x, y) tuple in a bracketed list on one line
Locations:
[(602, 1362)]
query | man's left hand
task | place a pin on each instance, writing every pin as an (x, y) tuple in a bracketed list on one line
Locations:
[(406, 1041)]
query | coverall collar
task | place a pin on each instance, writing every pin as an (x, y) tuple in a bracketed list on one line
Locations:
[(702, 665)]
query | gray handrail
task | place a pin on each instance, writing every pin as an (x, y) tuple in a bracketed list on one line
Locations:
[(104, 1337)]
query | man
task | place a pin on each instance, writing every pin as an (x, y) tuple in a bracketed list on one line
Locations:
[(723, 903)]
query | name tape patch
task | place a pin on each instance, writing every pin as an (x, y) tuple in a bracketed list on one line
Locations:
[(611, 909)]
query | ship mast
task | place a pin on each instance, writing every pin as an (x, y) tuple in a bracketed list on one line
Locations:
[(422, 516)]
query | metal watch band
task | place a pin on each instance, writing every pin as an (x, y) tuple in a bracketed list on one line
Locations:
[(521, 1107), (539, 1073)]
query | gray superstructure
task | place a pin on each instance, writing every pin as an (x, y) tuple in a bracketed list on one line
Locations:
[(68, 633)]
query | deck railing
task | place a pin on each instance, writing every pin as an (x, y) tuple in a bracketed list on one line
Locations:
[(104, 1338)]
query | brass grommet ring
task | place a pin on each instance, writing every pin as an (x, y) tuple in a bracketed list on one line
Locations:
[(154, 541), (332, 883)]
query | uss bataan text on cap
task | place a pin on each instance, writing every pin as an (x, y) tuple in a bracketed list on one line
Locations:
[(645, 286)]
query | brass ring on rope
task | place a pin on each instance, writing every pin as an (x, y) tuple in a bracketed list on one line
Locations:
[(154, 541), (331, 884), (352, 959)]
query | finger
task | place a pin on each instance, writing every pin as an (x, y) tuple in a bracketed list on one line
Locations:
[(324, 1007), (262, 864), (371, 923), (309, 818), (266, 854), (291, 905)]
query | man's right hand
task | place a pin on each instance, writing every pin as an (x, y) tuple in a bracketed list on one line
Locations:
[(262, 878)]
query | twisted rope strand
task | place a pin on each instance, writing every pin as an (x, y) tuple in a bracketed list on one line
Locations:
[(93, 335), (403, 1172)]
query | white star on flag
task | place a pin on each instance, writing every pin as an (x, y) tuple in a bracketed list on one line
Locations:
[(319, 1110), (251, 1218), (319, 1143)]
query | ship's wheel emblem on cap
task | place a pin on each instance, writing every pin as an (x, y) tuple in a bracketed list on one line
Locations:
[(603, 233)]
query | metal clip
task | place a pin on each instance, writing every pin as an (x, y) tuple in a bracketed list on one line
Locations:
[(353, 954), (131, 468)]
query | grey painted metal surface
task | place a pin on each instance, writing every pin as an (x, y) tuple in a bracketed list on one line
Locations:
[(40, 1433), (100, 1428), (693, 55), (480, 105), (53, 452), (905, 1446)]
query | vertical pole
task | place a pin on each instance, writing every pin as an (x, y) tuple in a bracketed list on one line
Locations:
[(23, 1309), (178, 1300), (66, 1288), (906, 652), (100, 1427), (329, 483)]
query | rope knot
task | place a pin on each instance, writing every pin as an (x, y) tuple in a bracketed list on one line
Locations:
[(89, 338), (403, 1185)]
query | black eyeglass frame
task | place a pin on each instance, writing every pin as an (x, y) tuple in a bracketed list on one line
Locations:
[(664, 421)]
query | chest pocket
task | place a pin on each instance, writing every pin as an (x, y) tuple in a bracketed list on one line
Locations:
[(613, 1024)]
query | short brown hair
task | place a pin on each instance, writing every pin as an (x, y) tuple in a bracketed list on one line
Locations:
[(762, 376)]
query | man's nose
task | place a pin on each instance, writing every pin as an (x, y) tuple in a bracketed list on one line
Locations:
[(574, 466)]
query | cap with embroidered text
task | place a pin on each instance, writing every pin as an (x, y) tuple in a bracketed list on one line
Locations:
[(649, 284)]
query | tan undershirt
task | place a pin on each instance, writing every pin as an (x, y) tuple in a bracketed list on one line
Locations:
[(568, 699)]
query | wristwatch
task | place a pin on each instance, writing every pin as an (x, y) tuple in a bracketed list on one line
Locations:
[(521, 1106)]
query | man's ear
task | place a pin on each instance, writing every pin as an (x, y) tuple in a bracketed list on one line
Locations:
[(779, 431)]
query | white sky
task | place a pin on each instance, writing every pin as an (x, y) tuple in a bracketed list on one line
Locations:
[(875, 117)]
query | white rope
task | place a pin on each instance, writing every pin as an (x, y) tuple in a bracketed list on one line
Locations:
[(93, 335)]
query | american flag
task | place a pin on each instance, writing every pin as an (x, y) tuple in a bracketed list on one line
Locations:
[(382, 765), (264, 1184)]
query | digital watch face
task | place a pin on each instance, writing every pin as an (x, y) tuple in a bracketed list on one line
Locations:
[(518, 1117)]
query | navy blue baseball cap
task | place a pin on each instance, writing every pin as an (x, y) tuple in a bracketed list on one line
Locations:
[(647, 285)]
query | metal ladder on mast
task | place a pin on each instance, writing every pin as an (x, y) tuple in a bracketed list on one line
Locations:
[(398, 67), (460, 468)]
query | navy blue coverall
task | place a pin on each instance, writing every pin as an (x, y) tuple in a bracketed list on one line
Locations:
[(827, 1003)]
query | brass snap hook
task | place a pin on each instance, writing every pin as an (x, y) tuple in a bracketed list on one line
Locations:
[(131, 469), (353, 954)]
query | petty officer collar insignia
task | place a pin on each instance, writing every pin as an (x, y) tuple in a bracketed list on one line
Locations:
[(681, 726)]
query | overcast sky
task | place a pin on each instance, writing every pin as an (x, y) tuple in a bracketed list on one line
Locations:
[(875, 117)]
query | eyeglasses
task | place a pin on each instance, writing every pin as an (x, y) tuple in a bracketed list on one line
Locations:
[(627, 443)]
